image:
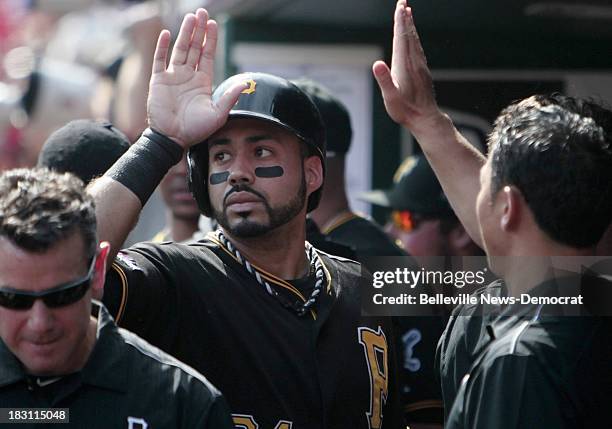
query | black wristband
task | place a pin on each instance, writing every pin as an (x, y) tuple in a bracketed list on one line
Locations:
[(146, 163)]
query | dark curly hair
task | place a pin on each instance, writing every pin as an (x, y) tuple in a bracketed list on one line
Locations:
[(38, 208), (557, 151)]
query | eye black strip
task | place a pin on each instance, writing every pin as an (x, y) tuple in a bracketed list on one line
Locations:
[(217, 178), (275, 171)]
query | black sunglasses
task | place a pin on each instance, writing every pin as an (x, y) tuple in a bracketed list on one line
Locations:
[(57, 297)]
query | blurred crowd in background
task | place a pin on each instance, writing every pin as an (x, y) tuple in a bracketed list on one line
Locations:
[(64, 60), (77, 59)]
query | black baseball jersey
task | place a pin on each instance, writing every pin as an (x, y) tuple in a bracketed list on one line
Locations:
[(416, 337), (325, 243), (464, 338), (331, 368), (540, 370), (125, 384), (362, 235)]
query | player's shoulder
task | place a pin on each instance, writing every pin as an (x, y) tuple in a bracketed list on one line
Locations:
[(202, 248), (169, 253), (339, 264), (345, 274), (366, 236), (337, 259), (505, 359), (480, 307), (522, 345), (548, 336)]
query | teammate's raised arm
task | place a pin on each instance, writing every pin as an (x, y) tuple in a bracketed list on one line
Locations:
[(180, 113), (409, 98)]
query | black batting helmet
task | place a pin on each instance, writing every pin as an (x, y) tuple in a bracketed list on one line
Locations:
[(271, 99)]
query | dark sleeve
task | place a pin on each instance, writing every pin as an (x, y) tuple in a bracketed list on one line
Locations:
[(440, 357), (512, 392), (218, 416), (445, 361), (141, 292), (202, 405)]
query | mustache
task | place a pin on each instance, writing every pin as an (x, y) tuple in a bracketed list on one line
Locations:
[(242, 188)]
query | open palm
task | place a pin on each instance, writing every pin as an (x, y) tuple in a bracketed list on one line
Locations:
[(179, 103), (407, 87)]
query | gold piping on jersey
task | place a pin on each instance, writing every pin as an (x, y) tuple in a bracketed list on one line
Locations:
[(124, 291)]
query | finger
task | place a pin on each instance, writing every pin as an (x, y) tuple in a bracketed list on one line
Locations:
[(207, 59), (179, 52), (415, 49), (400, 48), (229, 99), (195, 48), (161, 52), (382, 74)]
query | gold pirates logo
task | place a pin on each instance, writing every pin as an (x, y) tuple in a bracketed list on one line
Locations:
[(251, 88)]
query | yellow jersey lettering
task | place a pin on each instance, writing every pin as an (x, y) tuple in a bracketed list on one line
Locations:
[(245, 421), (375, 349)]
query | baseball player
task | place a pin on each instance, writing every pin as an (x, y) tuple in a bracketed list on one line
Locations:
[(544, 191), (273, 322)]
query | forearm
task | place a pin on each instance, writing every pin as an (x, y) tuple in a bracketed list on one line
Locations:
[(409, 98), (457, 165), (122, 192), (117, 210)]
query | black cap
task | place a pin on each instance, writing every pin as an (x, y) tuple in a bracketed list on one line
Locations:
[(335, 116), (415, 188), (277, 100), (83, 147)]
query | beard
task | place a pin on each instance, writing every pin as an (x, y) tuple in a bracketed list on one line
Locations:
[(277, 216)]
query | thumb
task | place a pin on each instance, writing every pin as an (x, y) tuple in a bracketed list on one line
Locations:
[(230, 98), (382, 74)]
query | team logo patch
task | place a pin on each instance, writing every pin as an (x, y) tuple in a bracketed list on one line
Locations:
[(137, 423), (251, 88)]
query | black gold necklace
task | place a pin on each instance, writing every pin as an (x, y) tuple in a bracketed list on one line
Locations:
[(314, 261)]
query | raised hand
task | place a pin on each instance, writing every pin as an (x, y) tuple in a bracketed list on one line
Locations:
[(179, 103), (407, 87)]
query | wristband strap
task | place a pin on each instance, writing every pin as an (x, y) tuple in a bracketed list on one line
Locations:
[(145, 164)]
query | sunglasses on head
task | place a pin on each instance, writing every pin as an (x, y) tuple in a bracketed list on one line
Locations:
[(59, 296), (405, 220)]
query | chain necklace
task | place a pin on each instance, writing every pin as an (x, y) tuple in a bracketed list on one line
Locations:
[(314, 260)]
